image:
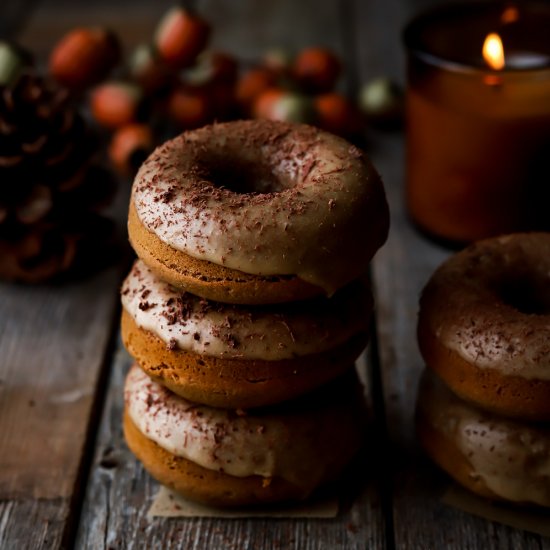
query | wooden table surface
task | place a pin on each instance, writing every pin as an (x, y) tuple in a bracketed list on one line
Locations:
[(66, 476)]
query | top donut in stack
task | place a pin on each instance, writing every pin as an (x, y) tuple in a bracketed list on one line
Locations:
[(254, 238), (258, 212)]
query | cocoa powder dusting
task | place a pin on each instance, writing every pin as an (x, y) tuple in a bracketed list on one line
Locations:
[(172, 344)]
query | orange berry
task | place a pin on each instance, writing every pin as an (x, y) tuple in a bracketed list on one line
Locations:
[(212, 68), (336, 114), (148, 70), (264, 104), (190, 107), (285, 106), (316, 69), (83, 57), (130, 146), (252, 84), (180, 37), (116, 104)]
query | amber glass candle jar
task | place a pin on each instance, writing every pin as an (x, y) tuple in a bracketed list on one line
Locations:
[(478, 136)]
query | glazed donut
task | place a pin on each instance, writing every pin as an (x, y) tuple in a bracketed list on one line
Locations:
[(484, 324), (495, 457), (225, 355), (257, 212), (221, 458)]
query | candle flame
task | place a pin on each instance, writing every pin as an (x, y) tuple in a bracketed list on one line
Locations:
[(493, 51)]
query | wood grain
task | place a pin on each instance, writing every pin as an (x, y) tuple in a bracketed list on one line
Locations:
[(33, 523), (400, 271), (53, 341)]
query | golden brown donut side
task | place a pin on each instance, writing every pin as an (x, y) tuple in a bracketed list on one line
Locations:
[(211, 281), (235, 383), (503, 394), (202, 485)]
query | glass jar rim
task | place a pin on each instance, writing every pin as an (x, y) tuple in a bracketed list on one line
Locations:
[(423, 20)]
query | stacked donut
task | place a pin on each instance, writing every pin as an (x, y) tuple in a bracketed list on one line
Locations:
[(484, 332), (247, 308)]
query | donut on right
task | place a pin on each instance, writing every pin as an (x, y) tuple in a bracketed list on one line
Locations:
[(483, 412)]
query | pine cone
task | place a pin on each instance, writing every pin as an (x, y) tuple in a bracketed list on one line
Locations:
[(47, 179), (45, 250)]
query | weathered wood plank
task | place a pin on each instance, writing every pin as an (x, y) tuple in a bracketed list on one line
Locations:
[(53, 342), (400, 271), (119, 492), (33, 523)]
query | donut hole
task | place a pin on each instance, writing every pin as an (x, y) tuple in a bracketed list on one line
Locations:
[(244, 177), (528, 295)]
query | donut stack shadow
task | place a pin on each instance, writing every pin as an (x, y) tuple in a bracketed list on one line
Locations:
[(483, 410), (244, 389)]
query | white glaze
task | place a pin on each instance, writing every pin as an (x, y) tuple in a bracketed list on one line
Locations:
[(273, 333), (466, 313), (512, 458)]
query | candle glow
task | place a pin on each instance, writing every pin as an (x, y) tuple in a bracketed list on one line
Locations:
[(510, 15), (493, 52), (478, 119)]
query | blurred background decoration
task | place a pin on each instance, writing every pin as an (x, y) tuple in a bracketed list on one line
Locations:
[(172, 81), (98, 96), (53, 185)]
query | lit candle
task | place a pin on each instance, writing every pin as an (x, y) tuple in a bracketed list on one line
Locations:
[(478, 119), (493, 52)]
